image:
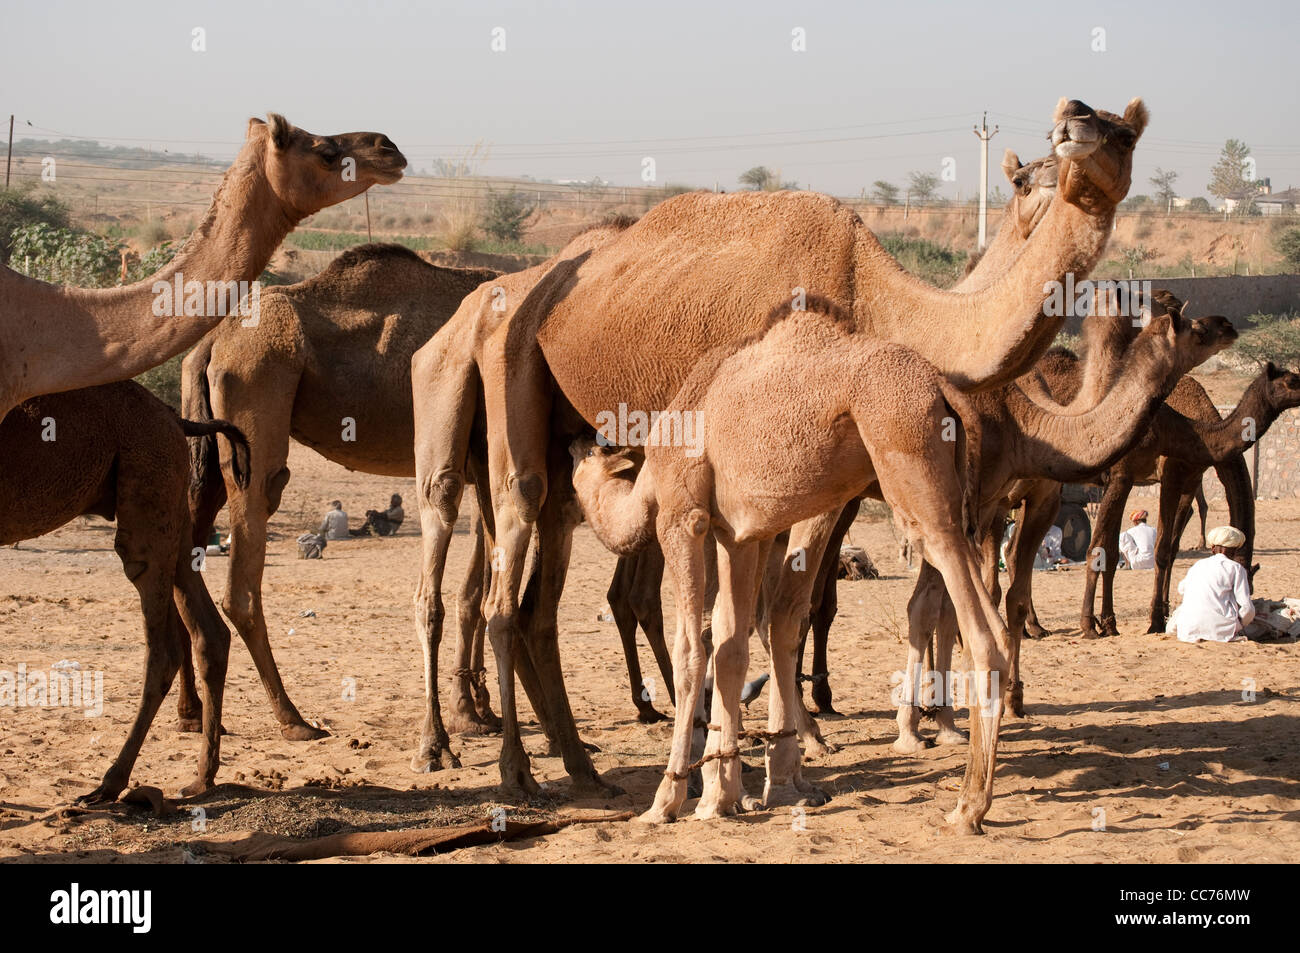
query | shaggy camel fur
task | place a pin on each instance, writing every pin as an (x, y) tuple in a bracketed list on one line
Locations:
[(679, 282), (1124, 384), (837, 411), (328, 364), (1183, 441), (57, 338), (118, 452)]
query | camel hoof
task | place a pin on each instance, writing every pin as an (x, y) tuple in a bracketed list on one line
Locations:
[(427, 762), (813, 748), (724, 808), (196, 787), (650, 716), (520, 784), (826, 709), (303, 732), (193, 725), (911, 744), (950, 736), (1036, 632), (469, 722), (961, 824), (795, 795), (655, 816), (104, 794), (1090, 633), (751, 803)]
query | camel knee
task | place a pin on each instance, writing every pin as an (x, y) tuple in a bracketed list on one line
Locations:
[(444, 493), (275, 485), (527, 494)]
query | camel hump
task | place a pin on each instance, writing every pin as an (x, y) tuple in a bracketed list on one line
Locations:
[(748, 213), (371, 252)]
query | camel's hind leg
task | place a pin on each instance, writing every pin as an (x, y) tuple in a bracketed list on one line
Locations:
[(1177, 491), (928, 495), (207, 495), (471, 707), (923, 610), (1104, 547), (1040, 508), (825, 604), (211, 642), (620, 598)]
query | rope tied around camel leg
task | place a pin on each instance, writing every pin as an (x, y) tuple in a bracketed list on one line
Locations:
[(814, 677), (715, 756)]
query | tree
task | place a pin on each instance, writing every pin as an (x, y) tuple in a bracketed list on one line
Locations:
[(759, 179), (883, 193), (1164, 183), (923, 185), (1288, 245), (1232, 172), (25, 206), (504, 214), (1199, 204), (1135, 256)]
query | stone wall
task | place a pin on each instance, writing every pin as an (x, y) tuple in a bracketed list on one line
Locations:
[(1233, 296)]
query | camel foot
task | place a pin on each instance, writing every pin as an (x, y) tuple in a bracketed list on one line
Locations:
[(106, 793), (821, 696), (1158, 626), (196, 787), (817, 748), (962, 823), (826, 708), (950, 736), (467, 721), (794, 794), (303, 732), (911, 743), (1090, 632), (1036, 632), (1016, 699), (195, 726), (655, 815), (429, 761), (722, 807), (650, 715), (1109, 627), (519, 782)]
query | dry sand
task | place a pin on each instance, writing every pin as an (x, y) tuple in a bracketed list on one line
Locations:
[(1152, 732)]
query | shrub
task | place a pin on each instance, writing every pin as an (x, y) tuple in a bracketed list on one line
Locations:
[(505, 213), (929, 261), (1288, 245), (23, 206), (1274, 337)]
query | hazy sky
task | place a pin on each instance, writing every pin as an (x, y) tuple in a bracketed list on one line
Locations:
[(706, 89)]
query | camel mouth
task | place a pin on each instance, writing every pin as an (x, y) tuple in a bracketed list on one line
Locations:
[(1075, 137)]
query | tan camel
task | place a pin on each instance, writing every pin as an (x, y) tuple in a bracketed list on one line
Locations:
[(118, 452), (328, 364), (281, 175), (1124, 384), (837, 411), (649, 293)]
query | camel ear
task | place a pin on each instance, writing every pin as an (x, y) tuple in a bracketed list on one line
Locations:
[(619, 464), (1011, 164), (1136, 115), (253, 125), (281, 131), (1059, 114), (1272, 370)]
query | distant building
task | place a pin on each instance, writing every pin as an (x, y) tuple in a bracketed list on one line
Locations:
[(1278, 203)]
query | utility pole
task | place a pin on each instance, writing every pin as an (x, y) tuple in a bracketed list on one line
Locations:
[(10, 159), (983, 134)]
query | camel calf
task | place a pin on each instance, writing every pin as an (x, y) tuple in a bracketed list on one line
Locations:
[(796, 422), (118, 452)]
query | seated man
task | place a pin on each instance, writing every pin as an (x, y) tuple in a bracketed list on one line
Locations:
[(1216, 593), (1049, 551), (383, 523), (1138, 545), (335, 524)]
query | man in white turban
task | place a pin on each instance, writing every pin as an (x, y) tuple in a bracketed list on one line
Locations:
[(1139, 544), (1216, 593)]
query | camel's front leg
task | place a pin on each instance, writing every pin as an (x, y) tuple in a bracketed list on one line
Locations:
[(923, 611), (1040, 507), (211, 644), (1103, 554), (791, 600), (681, 537), (732, 617)]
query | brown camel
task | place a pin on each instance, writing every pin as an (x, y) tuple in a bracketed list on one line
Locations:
[(1025, 445), (328, 364), (838, 411), (1184, 440), (118, 452), (281, 175), (650, 291)]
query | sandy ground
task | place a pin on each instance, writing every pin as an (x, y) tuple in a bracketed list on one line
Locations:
[(1151, 735)]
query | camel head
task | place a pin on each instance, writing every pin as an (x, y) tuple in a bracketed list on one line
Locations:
[(595, 464), (620, 520), (1191, 342), (308, 172), (1033, 185), (1095, 149), (1283, 387)]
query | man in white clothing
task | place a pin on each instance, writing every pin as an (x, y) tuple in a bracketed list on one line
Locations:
[(335, 524), (1216, 593), (1138, 545)]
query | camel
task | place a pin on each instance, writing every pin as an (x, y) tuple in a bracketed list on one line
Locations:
[(838, 411), (118, 452), (1186, 438), (650, 289), (334, 348), (57, 338), (1028, 452)]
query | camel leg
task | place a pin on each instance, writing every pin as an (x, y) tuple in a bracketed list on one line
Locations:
[(1203, 509), (211, 644), (929, 500), (268, 433), (681, 539), (1104, 545), (824, 607), (945, 637), (1176, 495), (148, 555), (791, 600), (923, 610), (469, 694), (1039, 511), (207, 495), (647, 604), (625, 618), (732, 617)]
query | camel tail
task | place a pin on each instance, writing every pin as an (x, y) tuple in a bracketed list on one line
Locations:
[(196, 405), (969, 443), (207, 431)]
